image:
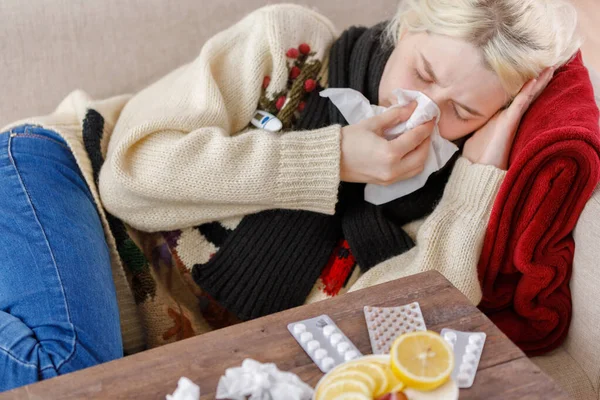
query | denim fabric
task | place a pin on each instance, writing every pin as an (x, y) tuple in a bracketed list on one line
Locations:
[(58, 307)]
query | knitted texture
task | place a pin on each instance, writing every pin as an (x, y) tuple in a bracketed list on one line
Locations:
[(131, 255), (272, 259), (451, 238), (165, 319), (178, 156), (162, 171)]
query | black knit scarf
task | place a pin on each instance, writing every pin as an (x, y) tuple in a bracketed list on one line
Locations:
[(271, 261)]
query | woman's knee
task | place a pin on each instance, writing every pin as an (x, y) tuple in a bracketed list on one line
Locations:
[(27, 356)]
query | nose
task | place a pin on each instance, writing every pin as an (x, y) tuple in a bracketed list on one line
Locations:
[(436, 94)]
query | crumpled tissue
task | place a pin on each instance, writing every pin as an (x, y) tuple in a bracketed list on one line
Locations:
[(257, 381), (355, 107), (186, 390)]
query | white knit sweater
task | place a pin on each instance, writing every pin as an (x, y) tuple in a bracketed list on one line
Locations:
[(177, 158)]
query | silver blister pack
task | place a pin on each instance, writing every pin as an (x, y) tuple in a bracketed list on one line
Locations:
[(467, 347), (324, 342)]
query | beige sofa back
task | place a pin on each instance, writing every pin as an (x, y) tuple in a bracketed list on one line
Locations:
[(583, 342), (109, 47)]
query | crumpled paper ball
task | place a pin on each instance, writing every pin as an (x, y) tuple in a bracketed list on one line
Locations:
[(257, 381), (186, 390)]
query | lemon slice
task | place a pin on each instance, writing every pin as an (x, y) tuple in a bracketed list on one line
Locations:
[(356, 375), (375, 370), (341, 373), (422, 360), (353, 396), (340, 387), (396, 386)]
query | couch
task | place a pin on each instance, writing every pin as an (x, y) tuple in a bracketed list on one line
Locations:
[(109, 47)]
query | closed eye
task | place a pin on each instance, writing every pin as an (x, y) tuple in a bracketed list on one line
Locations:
[(420, 77), (458, 116)]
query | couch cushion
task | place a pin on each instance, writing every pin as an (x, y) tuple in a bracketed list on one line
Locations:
[(582, 341), (108, 47), (565, 370)]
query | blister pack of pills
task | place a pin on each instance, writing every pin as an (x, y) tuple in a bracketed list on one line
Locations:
[(467, 347), (324, 342), (386, 324)]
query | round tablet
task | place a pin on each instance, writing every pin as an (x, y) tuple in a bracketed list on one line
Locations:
[(476, 339), (351, 355), (327, 363), (450, 337), (343, 347), (469, 358), (305, 337), (463, 379), (336, 338), (299, 328), (320, 354), (472, 348), (466, 368), (313, 345), (328, 330)]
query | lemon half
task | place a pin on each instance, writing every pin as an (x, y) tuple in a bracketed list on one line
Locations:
[(422, 360)]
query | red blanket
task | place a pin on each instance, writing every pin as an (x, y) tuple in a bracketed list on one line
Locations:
[(527, 255)]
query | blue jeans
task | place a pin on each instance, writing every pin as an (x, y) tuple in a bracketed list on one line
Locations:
[(58, 308)]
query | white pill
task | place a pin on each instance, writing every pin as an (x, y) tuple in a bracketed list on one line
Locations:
[(336, 338), (476, 339), (343, 347), (313, 345), (327, 363), (351, 355), (469, 358), (450, 337), (463, 379), (472, 348), (466, 368), (299, 328), (305, 337), (328, 330), (320, 353)]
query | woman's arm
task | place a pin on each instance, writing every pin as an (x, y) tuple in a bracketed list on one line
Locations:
[(174, 159), (451, 238)]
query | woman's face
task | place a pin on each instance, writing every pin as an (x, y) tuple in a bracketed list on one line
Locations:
[(451, 73)]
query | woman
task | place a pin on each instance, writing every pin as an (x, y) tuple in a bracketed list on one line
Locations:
[(180, 156)]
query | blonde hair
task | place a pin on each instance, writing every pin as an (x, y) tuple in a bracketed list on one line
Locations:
[(517, 38)]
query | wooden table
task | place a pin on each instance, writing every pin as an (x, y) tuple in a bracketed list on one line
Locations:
[(504, 371)]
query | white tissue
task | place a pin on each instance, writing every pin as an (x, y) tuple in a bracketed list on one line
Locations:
[(261, 382), (186, 390), (355, 107)]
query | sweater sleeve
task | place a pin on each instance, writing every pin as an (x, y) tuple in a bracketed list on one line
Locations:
[(451, 238), (180, 156)]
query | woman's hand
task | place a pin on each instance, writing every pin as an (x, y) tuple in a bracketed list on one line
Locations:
[(492, 143), (367, 157)]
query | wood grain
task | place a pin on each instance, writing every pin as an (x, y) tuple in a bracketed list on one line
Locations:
[(154, 373), (518, 379)]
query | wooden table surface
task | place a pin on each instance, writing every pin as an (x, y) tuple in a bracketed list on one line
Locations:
[(504, 371)]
